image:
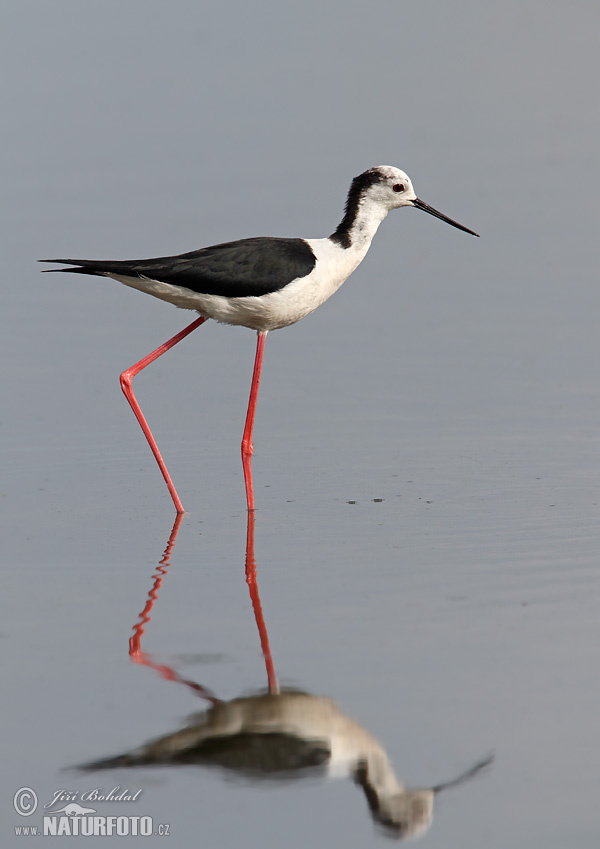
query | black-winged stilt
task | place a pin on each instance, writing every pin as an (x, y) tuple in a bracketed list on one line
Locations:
[(260, 283)]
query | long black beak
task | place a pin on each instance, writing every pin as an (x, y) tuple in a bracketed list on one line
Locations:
[(426, 208)]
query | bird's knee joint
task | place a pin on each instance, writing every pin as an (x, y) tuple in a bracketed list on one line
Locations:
[(125, 380)]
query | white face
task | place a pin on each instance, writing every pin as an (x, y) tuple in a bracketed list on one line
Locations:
[(394, 190)]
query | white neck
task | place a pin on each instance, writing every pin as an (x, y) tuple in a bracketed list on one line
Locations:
[(369, 216), (363, 216)]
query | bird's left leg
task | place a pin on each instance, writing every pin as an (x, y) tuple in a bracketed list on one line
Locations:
[(247, 439), (126, 379)]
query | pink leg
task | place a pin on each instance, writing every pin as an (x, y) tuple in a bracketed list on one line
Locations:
[(247, 439), (126, 379)]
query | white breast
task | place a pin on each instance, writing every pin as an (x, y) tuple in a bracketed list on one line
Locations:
[(276, 309)]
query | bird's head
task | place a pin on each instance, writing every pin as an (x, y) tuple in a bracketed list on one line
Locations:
[(387, 186), (392, 188)]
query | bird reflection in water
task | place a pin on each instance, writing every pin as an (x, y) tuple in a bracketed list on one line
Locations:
[(279, 734)]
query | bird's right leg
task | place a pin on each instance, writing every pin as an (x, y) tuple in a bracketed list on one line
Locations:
[(126, 379), (247, 438)]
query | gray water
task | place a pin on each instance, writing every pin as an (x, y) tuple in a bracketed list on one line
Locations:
[(426, 444)]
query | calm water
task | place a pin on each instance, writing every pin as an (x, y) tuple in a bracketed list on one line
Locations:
[(426, 445)]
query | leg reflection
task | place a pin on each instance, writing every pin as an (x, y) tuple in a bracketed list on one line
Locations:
[(135, 642), (136, 653), (258, 614)]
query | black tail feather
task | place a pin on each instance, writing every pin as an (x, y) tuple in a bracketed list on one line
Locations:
[(84, 266)]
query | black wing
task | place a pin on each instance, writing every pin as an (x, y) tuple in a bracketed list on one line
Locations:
[(233, 269)]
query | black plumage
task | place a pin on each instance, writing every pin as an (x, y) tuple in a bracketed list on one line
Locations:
[(360, 185), (254, 266)]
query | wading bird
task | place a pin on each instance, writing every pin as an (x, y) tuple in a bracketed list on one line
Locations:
[(262, 283)]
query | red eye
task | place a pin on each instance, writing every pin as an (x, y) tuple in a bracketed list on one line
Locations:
[(399, 187)]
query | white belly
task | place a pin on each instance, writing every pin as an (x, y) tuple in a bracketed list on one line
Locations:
[(266, 312)]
